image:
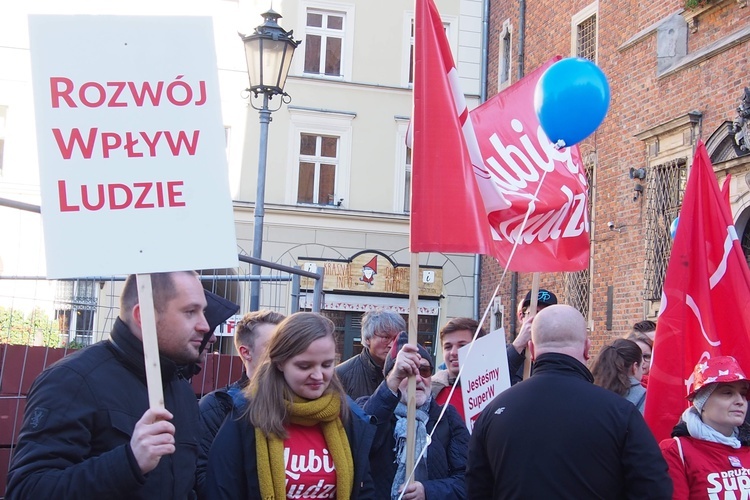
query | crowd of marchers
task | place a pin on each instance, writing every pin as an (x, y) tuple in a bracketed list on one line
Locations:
[(296, 425)]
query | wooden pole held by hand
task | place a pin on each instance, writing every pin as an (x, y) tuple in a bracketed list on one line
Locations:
[(150, 342)]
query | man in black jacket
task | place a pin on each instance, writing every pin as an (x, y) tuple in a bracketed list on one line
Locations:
[(251, 337), (363, 373), (88, 431), (559, 436)]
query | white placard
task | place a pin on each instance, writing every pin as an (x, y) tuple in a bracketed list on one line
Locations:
[(485, 375), (131, 145)]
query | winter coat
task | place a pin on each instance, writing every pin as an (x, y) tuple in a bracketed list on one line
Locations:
[(637, 394), (79, 419), (446, 454), (232, 462), (557, 435), (360, 375), (214, 409)]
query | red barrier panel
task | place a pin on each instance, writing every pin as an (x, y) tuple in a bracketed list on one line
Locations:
[(20, 365)]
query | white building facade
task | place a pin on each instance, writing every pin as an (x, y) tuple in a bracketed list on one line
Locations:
[(338, 169)]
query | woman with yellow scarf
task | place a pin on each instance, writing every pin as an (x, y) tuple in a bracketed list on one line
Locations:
[(299, 436)]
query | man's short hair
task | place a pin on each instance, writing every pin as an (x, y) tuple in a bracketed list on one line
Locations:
[(379, 320), (644, 326), (459, 324), (162, 289), (245, 333)]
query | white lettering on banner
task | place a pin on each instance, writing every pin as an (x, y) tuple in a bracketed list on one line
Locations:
[(500, 168), (729, 485), (294, 464), (547, 225), (514, 173), (721, 269), (319, 490)]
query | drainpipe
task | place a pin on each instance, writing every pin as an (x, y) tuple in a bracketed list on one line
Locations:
[(521, 54), (482, 98)]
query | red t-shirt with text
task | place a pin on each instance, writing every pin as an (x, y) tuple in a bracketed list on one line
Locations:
[(310, 472)]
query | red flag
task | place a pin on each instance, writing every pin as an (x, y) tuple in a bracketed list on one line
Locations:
[(462, 203), (704, 303), (447, 214)]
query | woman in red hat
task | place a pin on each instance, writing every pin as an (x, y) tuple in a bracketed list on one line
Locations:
[(709, 454)]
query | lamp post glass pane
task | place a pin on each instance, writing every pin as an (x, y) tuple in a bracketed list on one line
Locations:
[(268, 62), (252, 55)]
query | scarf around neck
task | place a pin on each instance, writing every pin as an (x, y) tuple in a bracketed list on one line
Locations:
[(699, 430), (324, 411), (420, 442)]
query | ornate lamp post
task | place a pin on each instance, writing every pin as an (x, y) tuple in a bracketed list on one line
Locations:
[(268, 52)]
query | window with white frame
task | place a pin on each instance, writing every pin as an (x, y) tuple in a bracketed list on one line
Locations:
[(319, 168), (324, 41), (328, 39), (408, 64), (318, 161), (584, 32), (504, 64)]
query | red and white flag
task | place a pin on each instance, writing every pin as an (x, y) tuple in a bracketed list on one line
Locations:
[(447, 214), (704, 309), (474, 175)]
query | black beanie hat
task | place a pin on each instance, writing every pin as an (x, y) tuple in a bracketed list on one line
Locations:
[(403, 338)]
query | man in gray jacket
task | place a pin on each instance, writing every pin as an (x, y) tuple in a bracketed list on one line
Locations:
[(363, 373)]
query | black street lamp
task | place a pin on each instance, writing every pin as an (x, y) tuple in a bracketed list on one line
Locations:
[(268, 52)]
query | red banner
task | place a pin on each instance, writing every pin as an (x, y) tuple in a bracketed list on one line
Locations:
[(704, 309), (519, 164), (474, 175)]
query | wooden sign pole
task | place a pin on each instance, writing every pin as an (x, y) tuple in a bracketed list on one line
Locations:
[(411, 394), (150, 343), (531, 311)]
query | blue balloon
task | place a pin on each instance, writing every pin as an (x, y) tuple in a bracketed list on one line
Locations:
[(673, 226), (571, 100)]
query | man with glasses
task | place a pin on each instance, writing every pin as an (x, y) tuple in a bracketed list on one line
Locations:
[(361, 374), (440, 471)]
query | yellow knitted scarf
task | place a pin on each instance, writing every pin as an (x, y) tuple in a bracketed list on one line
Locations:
[(270, 450)]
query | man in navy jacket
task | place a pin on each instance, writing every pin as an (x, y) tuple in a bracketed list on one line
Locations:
[(88, 431)]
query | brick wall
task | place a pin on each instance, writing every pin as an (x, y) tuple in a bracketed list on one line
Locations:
[(640, 101)]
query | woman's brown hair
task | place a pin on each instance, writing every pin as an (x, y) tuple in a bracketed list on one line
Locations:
[(268, 392)]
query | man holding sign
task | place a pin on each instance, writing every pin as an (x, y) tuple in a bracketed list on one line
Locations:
[(88, 431)]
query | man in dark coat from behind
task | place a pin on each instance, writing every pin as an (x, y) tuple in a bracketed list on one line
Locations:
[(557, 435)]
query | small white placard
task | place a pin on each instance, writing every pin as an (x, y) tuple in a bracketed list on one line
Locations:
[(131, 145), (485, 373)]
